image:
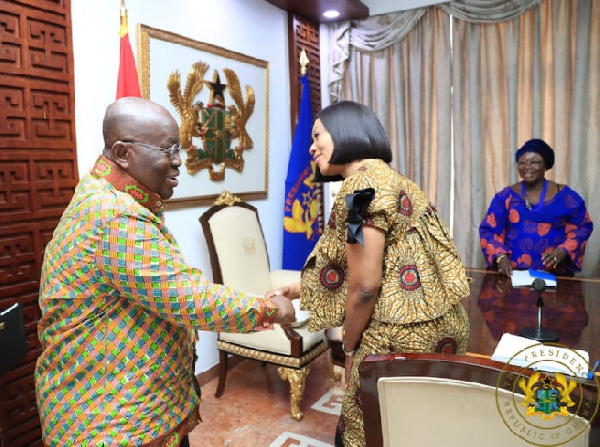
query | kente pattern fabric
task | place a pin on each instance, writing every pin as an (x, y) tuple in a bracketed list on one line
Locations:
[(526, 234), (120, 311), (423, 276)]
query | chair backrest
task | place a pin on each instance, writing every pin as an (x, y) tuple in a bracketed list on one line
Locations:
[(236, 245), (433, 399)]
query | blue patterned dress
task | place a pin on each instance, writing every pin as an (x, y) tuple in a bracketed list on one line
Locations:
[(527, 234)]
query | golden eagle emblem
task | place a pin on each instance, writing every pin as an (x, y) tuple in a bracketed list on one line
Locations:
[(215, 124), (547, 400)]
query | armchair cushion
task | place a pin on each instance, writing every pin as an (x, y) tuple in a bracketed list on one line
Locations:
[(465, 413), (274, 340)]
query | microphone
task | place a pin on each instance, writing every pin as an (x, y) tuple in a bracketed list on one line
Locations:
[(539, 284), (538, 333)]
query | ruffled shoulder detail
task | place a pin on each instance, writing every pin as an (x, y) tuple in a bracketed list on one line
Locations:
[(357, 204)]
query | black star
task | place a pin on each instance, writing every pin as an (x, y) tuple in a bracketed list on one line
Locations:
[(216, 89)]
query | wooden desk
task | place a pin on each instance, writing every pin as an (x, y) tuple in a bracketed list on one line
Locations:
[(495, 307)]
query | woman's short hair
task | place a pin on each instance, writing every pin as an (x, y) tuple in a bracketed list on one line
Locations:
[(356, 133)]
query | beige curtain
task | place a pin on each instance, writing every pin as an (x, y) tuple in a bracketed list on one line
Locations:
[(397, 83), (459, 94), (537, 76)]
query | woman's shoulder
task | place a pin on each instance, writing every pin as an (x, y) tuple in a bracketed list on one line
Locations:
[(508, 192), (515, 187), (372, 174), (570, 194), (391, 187)]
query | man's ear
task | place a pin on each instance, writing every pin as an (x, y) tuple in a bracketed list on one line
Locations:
[(120, 151)]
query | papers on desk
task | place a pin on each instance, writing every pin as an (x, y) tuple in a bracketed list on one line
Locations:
[(525, 278), (527, 353)]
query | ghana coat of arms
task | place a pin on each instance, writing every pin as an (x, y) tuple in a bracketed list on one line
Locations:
[(214, 124)]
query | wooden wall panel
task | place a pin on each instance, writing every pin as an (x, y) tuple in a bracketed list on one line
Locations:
[(38, 173), (304, 34)]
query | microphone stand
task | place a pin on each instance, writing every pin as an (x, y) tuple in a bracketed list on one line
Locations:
[(538, 333)]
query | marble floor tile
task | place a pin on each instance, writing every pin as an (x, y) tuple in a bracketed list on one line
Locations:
[(254, 409)]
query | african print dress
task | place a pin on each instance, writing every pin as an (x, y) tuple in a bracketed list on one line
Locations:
[(418, 308), (526, 234)]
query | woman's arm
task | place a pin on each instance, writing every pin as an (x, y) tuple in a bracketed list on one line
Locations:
[(365, 268), (577, 231), (492, 230), (291, 291)]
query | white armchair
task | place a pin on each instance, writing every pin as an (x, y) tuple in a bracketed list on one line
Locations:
[(453, 400), (238, 255)]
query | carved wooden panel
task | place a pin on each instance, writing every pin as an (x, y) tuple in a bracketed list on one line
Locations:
[(304, 35), (38, 173)]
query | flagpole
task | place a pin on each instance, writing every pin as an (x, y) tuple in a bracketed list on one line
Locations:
[(123, 16), (303, 62), (127, 78)]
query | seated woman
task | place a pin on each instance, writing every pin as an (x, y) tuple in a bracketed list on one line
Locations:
[(536, 223)]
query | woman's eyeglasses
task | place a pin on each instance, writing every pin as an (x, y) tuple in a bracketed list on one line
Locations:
[(534, 163), (172, 151)]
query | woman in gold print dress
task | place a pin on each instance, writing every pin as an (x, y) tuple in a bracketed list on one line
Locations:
[(386, 266)]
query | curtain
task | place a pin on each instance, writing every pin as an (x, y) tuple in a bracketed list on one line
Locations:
[(522, 79), (408, 87), (460, 86)]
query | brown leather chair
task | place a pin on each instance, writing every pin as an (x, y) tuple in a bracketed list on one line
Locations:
[(238, 256)]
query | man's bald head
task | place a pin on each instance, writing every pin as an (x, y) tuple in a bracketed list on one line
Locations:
[(130, 118), (138, 135)]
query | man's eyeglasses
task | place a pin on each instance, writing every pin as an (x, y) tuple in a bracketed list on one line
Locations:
[(172, 151), (534, 163)]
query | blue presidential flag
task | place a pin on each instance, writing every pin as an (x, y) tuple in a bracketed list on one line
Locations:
[(300, 223)]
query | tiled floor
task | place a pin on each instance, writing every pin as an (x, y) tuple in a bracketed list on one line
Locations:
[(254, 409)]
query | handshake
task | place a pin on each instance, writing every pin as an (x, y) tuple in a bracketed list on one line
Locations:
[(282, 297)]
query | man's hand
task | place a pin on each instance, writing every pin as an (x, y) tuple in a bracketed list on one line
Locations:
[(286, 313)]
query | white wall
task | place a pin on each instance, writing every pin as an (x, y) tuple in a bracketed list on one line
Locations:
[(251, 27), (377, 7)]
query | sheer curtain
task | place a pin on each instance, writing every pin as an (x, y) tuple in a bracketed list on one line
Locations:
[(408, 86), (536, 76), (462, 85)]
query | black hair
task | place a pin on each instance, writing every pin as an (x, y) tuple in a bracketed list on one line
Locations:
[(356, 133)]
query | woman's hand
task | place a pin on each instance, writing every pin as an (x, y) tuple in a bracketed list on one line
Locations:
[(277, 292), (504, 265), (553, 258), (291, 291)]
